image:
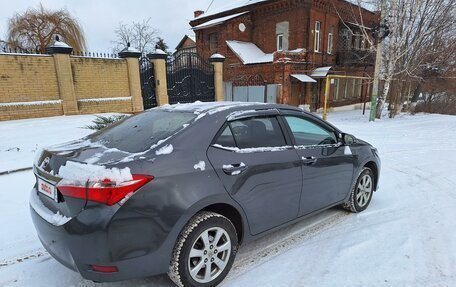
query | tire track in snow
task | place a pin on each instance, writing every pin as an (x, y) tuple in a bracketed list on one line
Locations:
[(254, 253), (16, 260)]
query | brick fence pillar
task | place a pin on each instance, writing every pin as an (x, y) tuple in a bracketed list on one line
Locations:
[(217, 60), (161, 88), (131, 55), (61, 53)]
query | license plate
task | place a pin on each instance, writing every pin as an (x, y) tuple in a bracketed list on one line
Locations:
[(47, 189)]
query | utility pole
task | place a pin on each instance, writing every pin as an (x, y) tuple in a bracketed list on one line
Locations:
[(378, 62)]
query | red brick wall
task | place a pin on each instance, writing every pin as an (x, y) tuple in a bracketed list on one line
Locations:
[(260, 25), (301, 14)]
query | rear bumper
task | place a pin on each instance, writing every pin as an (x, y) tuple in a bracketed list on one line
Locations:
[(78, 244)]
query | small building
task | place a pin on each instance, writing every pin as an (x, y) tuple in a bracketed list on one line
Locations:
[(293, 44), (187, 44)]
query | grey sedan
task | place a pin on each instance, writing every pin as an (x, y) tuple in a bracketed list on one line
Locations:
[(177, 189)]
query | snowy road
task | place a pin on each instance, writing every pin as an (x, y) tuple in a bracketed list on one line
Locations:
[(407, 237)]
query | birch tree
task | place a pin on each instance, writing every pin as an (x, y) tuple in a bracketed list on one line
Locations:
[(415, 26)]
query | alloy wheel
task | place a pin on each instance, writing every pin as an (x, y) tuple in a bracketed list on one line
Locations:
[(209, 255), (364, 190)]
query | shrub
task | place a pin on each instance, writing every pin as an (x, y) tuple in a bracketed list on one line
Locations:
[(101, 122)]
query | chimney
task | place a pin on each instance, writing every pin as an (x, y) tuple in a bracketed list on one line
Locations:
[(198, 13)]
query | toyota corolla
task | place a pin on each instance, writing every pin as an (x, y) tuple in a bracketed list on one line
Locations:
[(177, 189)]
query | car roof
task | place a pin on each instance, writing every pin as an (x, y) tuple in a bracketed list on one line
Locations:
[(215, 107)]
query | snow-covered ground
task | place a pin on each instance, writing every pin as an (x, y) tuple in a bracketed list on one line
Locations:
[(407, 236), (20, 139)]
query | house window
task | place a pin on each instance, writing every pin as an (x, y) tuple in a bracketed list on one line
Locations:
[(317, 36), (280, 42), (282, 34), (344, 88), (353, 88), (357, 44), (330, 39), (336, 89), (213, 41), (359, 87), (346, 39)]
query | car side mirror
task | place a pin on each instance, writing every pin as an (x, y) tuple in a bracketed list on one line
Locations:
[(348, 139)]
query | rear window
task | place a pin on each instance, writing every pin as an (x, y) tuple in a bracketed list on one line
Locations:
[(138, 133)]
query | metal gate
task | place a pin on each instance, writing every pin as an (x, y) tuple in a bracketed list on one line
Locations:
[(189, 78), (146, 70)]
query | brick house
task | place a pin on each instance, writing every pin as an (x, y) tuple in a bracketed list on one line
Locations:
[(293, 43), (188, 43)]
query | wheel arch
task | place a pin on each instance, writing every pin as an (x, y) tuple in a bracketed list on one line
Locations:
[(373, 166), (230, 212)]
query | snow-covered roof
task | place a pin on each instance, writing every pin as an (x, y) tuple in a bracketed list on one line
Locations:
[(303, 78), (192, 37), (217, 56), (219, 6), (320, 72), (358, 25), (182, 41), (368, 5), (249, 53), (218, 21), (60, 44)]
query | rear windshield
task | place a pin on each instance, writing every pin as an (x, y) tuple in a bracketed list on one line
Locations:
[(138, 133)]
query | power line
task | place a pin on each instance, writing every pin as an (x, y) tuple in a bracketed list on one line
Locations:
[(212, 2)]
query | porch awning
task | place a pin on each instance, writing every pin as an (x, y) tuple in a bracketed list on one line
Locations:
[(303, 78), (320, 72)]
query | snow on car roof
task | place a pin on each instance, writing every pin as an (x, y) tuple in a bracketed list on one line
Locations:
[(207, 107)]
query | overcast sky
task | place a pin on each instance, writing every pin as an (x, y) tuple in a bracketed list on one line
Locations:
[(99, 18)]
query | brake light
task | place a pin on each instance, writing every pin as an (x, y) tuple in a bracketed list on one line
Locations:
[(104, 269), (104, 191)]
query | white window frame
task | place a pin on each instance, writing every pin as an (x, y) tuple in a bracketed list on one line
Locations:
[(317, 30), (279, 42), (330, 40)]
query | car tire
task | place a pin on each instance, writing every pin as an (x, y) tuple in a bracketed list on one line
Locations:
[(362, 191), (208, 242)]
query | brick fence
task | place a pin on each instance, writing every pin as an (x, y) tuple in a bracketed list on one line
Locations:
[(58, 83)]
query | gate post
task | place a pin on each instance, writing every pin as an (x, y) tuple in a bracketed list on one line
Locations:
[(161, 89), (217, 60), (61, 53), (132, 55)]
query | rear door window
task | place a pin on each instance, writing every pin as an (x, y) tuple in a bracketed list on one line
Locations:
[(138, 133), (257, 133)]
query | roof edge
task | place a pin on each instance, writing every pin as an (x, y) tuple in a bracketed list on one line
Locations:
[(202, 19)]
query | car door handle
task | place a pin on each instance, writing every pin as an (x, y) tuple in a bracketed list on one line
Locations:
[(234, 169), (310, 160)]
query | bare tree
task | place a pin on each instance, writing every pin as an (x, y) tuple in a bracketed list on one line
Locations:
[(140, 35), (415, 27), (36, 27)]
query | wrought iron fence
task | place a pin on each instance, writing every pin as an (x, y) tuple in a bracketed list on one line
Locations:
[(6, 49), (147, 76), (190, 78), (94, 54)]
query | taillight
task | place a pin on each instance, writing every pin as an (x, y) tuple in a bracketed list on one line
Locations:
[(104, 191), (104, 269)]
